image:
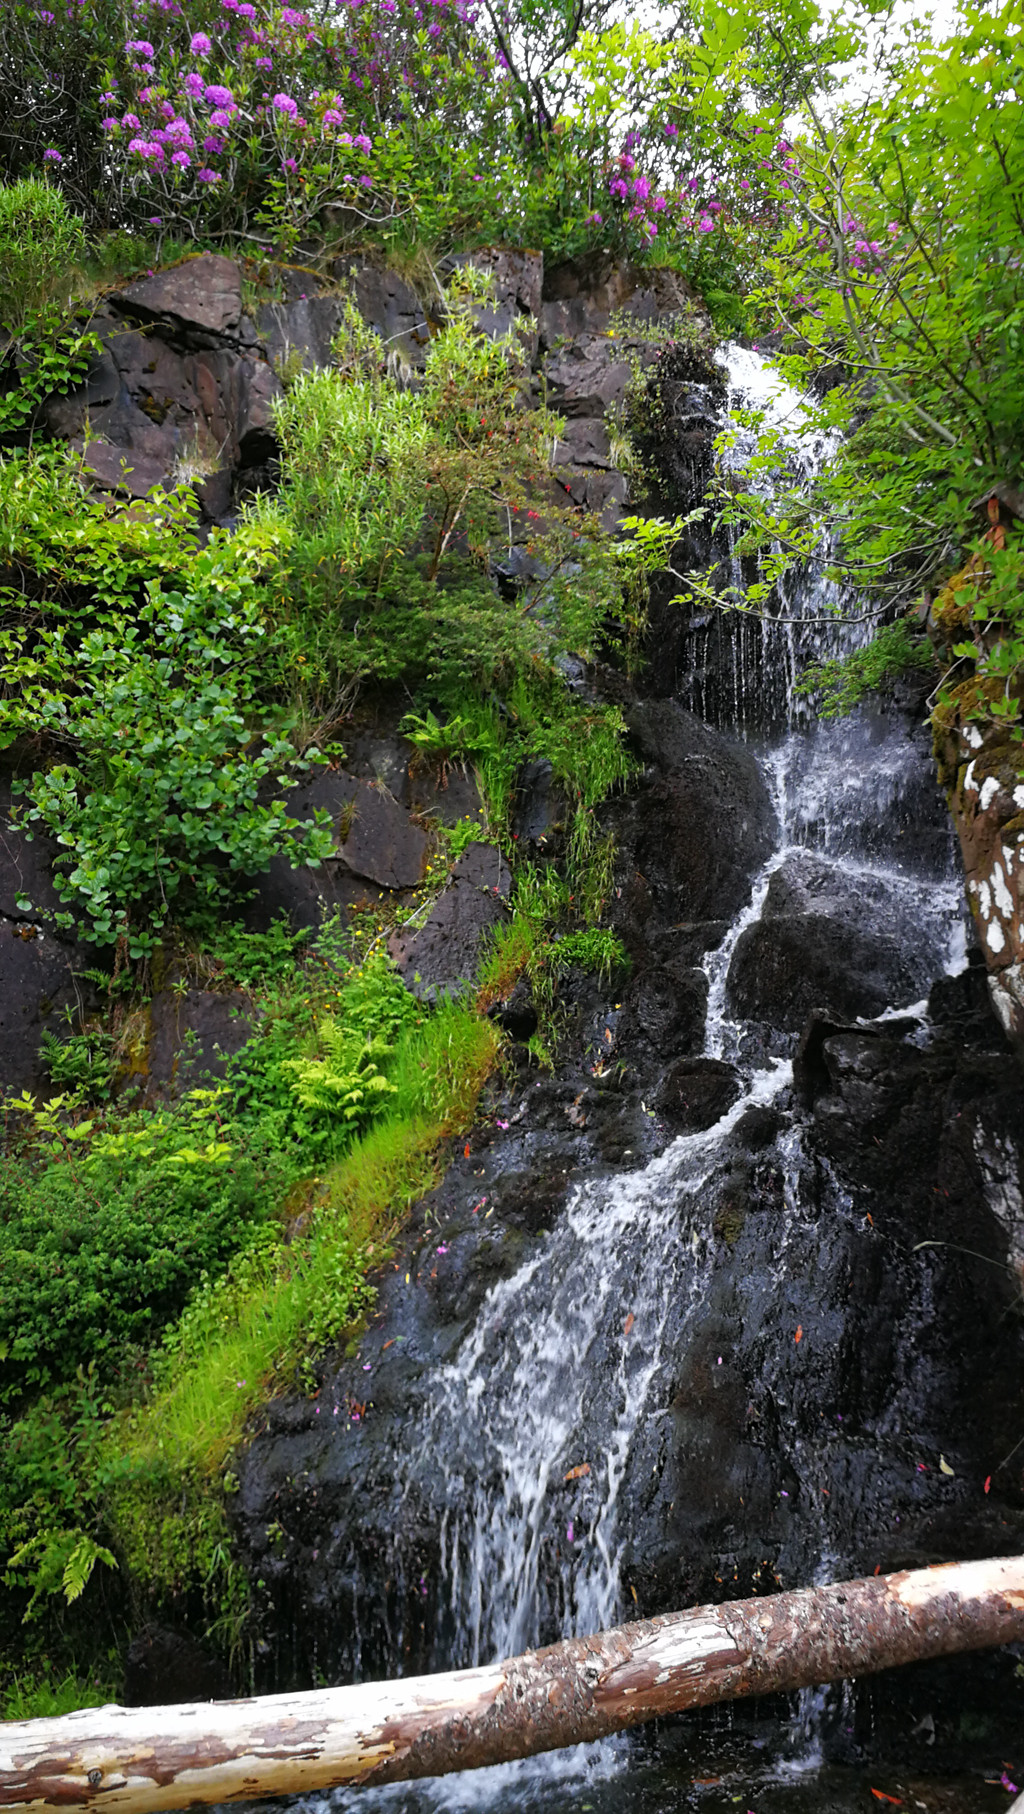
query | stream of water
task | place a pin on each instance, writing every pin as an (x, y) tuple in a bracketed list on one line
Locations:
[(568, 1369)]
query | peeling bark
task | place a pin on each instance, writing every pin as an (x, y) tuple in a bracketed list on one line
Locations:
[(146, 1758)]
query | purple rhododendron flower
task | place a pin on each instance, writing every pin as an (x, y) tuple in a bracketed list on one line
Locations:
[(108, 100), (264, 62), (200, 45), (110, 124), (671, 132), (285, 104), (332, 117), (182, 159), (743, 183), (288, 163), (139, 47), (208, 176), (362, 143), (194, 85), (693, 185), (213, 147), (618, 189), (641, 188), (291, 17), (155, 220), (52, 156), (220, 119), (659, 204), (218, 95), (627, 162), (145, 95), (245, 11), (132, 121), (593, 220), (367, 181)]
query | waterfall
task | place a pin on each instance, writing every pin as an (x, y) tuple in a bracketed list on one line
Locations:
[(533, 1444)]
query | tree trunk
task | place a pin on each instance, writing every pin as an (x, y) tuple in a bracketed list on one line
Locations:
[(146, 1758)]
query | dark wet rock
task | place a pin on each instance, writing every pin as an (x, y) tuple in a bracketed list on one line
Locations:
[(26, 861), (540, 805), (831, 939), (695, 832), (517, 1015), (300, 333), (203, 292), (820, 1363), (664, 1010), (390, 305), (257, 439), (41, 984), (123, 470), (306, 897), (588, 376), (164, 1667), (380, 841), (584, 443), (448, 796), (582, 295), (192, 1035), (386, 761), (697, 1092), (444, 954), (516, 279)]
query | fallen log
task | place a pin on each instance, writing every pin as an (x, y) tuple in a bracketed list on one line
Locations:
[(146, 1758)]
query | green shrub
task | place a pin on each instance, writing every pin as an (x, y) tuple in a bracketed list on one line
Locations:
[(893, 653), (41, 241), (99, 1250), (160, 809)]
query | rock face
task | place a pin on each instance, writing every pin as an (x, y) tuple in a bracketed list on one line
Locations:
[(695, 832), (827, 938), (440, 956)]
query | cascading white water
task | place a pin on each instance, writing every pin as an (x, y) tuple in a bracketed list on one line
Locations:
[(569, 1364)]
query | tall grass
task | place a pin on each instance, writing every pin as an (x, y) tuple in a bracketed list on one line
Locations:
[(249, 1332)]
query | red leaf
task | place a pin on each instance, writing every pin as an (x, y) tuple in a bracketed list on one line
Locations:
[(988, 1482), (799, 1332), (880, 1795), (628, 1324)]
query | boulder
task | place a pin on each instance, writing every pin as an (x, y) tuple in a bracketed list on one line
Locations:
[(517, 278), (441, 956), (449, 795), (203, 292), (828, 938), (663, 1010), (380, 841), (697, 1092)]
